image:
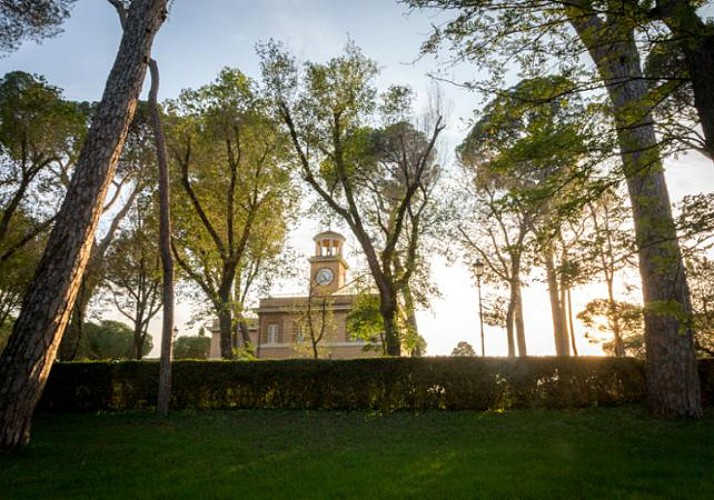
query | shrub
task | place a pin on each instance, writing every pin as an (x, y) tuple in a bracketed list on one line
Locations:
[(192, 347)]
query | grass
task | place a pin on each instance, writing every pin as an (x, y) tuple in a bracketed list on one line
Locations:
[(593, 453)]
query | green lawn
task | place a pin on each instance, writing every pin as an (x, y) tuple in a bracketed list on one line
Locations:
[(594, 453)]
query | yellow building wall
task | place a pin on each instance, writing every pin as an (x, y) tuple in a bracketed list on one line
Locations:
[(288, 313)]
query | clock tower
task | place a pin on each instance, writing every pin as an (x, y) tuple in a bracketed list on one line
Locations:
[(328, 268)]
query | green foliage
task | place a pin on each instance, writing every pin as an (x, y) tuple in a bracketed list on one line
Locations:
[(700, 276), (364, 320), (526, 177), (529, 142), (462, 349), (385, 384), (39, 133), (108, 340), (30, 20), (379, 181), (132, 269), (237, 199), (34, 118), (598, 317), (192, 347), (695, 222), (18, 268)]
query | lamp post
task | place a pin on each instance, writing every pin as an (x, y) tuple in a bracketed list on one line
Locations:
[(478, 271)]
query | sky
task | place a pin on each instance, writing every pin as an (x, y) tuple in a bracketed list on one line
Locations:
[(200, 38)]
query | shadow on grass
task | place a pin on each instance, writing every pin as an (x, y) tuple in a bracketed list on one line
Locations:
[(594, 453)]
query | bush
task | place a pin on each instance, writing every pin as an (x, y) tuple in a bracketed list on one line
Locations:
[(192, 347)]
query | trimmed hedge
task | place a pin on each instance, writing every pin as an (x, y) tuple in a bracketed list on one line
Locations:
[(378, 384)]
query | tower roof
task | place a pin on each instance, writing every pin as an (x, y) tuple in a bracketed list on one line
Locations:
[(329, 235)]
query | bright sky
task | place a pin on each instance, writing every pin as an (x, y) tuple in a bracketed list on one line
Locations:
[(200, 38)]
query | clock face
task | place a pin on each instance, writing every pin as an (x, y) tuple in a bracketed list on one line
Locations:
[(324, 276)]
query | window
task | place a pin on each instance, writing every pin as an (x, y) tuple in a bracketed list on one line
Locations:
[(299, 334), (273, 334)]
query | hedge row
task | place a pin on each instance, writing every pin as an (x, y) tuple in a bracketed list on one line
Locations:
[(376, 384)]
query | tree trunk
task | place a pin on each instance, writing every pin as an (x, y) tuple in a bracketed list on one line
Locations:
[(26, 361), (225, 329), (518, 318), (672, 379), (72, 337), (614, 320), (564, 312), (388, 310), (411, 320), (138, 344), (511, 322), (167, 262), (571, 323), (559, 335), (243, 333)]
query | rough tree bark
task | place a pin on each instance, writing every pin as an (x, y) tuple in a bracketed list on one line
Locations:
[(27, 359), (672, 379)]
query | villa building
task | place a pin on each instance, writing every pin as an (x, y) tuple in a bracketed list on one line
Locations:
[(287, 327)]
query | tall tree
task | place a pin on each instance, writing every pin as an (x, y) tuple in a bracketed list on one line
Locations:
[(497, 231), (598, 317), (463, 349), (109, 339), (379, 181), (27, 359), (608, 249), (133, 272), (694, 37), (606, 30), (231, 161), (133, 176), (524, 154), (167, 260), (30, 20), (167, 263), (17, 269), (38, 129), (673, 382)]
